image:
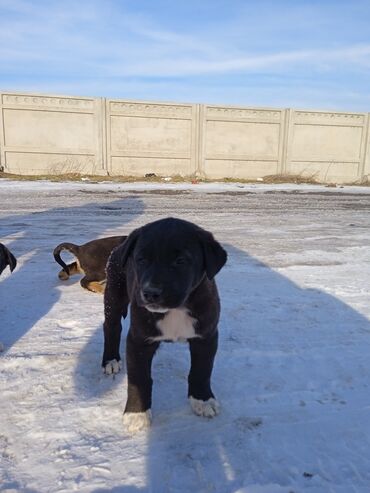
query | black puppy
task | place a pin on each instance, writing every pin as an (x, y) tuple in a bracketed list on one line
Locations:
[(166, 271), (91, 261), (6, 258)]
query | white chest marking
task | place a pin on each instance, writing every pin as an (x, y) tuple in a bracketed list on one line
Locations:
[(176, 325)]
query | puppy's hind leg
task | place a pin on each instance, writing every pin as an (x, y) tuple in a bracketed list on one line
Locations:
[(94, 286), (74, 268)]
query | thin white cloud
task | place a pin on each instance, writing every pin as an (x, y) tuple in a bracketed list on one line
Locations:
[(182, 66), (64, 36)]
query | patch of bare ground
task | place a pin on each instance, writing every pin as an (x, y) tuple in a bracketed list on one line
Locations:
[(153, 178)]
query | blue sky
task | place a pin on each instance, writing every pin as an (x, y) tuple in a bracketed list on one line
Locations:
[(283, 53)]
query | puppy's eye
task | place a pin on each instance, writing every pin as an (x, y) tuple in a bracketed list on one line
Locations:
[(180, 261)]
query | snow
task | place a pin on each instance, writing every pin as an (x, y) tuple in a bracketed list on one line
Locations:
[(292, 373), (216, 187)]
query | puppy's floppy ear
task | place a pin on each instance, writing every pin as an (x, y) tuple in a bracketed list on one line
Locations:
[(127, 247), (10, 259), (214, 255)]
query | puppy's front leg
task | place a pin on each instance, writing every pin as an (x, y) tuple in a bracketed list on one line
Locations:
[(139, 356), (200, 394), (115, 307), (112, 337)]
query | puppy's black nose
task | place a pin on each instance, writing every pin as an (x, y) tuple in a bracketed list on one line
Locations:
[(152, 294)]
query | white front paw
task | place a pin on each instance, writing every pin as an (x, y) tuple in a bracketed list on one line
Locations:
[(135, 422), (208, 409), (112, 366)]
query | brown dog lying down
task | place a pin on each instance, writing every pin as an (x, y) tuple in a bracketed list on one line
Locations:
[(6, 258), (91, 261)]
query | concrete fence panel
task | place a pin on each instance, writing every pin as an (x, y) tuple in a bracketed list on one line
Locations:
[(50, 134), (241, 142), (145, 137), (329, 147)]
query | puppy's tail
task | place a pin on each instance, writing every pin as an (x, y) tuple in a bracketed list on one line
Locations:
[(65, 246)]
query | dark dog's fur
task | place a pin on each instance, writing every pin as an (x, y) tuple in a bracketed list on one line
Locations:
[(91, 261), (6, 258), (165, 270)]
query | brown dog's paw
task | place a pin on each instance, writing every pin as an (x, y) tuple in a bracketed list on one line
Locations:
[(63, 276), (95, 286)]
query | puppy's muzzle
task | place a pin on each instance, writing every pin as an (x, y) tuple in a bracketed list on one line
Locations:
[(152, 294)]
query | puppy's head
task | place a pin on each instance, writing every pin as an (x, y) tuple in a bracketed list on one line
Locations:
[(167, 259), (6, 258)]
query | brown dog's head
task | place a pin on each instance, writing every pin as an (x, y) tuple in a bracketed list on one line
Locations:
[(167, 259), (6, 258)]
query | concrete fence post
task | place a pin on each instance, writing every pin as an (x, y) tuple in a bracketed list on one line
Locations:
[(283, 170), (365, 165), (102, 121), (201, 171), (2, 152)]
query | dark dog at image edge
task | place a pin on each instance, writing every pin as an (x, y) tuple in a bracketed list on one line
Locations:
[(91, 261), (165, 271), (6, 258)]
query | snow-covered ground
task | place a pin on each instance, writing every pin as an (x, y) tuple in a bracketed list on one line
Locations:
[(292, 372)]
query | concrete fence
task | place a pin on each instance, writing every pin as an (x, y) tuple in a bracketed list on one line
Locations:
[(42, 134)]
